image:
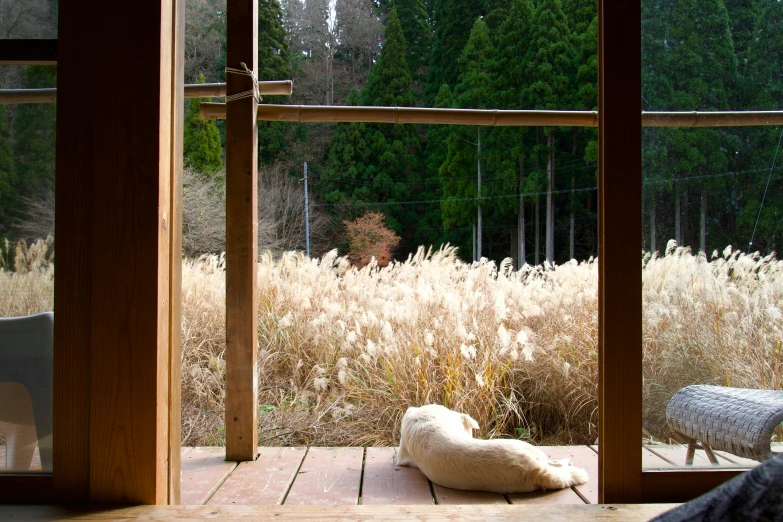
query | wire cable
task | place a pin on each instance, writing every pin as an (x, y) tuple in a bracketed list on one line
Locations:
[(758, 218)]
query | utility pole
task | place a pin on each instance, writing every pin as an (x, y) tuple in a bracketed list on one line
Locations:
[(478, 233), (307, 214)]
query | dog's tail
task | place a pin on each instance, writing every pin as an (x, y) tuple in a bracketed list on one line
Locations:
[(561, 476)]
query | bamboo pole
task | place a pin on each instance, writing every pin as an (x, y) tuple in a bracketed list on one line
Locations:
[(711, 119), (218, 90), (497, 118), (10, 96), (200, 90), (397, 115)]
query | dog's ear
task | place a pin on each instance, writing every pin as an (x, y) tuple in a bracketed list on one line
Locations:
[(469, 422)]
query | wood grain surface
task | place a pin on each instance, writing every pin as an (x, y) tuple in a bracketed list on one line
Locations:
[(241, 237), (265, 481), (384, 483), (203, 472), (328, 476), (448, 496), (583, 513)]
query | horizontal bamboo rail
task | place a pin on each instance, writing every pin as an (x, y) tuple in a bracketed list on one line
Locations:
[(318, 113), (200, 90), (711, 119), (498, 118), (10, 96)]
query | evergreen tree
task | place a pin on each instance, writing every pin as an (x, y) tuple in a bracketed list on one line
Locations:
[(495, 13), (742, 17), (346, 178), (8, 185), (417, 34), (201, 142), (273, 64), (34, 136), (453, 23), (380, 162), (461, 171), (763, 77), (510, 147), (389, 84), (432, 233), (548, 62), (581, 13)]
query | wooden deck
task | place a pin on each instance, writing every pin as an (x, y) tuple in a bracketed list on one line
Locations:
[(368, 476), (327, 484)]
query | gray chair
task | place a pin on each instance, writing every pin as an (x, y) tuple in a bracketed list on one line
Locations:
[(26, 375), (740, 421)]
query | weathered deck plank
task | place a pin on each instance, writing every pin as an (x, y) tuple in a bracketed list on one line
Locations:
[(738, 461), (328, 476), (265, 481), (203, 471), (385, 484), (584, 457), (676, 453), (560, 497), (649, 459), (448, 496)]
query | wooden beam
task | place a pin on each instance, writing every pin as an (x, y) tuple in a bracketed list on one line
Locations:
[(28, 52), (112, 330), (683, 485), (241, 237), (619, 247), (469, 513)]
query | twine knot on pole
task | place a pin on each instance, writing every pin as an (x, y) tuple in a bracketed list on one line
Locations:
[(254, 92)]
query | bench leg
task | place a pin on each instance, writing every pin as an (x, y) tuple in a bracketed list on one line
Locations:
[(691, 452), (710, 454)]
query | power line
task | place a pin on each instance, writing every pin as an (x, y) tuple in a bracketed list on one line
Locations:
[(539, 193), (758, 217)]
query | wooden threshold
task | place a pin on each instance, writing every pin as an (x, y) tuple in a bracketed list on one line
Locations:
[(624, 512)]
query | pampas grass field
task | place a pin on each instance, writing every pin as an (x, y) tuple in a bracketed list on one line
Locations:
[(343, 352)]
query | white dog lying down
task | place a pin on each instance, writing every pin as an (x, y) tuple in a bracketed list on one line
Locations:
[(440, 442)]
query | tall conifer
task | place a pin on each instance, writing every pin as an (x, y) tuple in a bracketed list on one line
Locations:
[(8, 186), (273, 64), (34, 136), (418, 37), (549, 60), (459, 172)]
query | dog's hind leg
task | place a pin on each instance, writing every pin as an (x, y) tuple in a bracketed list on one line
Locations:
[(403, 458), (559, 477)]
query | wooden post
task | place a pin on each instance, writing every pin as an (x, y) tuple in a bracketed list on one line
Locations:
[(241, 237), (113, 350), (619, 248), (175, 311)]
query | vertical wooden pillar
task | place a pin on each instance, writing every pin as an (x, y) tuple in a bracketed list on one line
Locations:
[(175, 277), (619, 251), (115, 246), (241, 237)]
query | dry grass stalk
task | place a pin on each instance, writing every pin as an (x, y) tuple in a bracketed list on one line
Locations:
[(343, 351)]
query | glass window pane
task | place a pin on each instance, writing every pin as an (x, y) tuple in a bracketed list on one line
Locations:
[(27, 153), (28, 19), (712, 228)]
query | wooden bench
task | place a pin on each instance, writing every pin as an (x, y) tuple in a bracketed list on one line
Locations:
[(740, 421)]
